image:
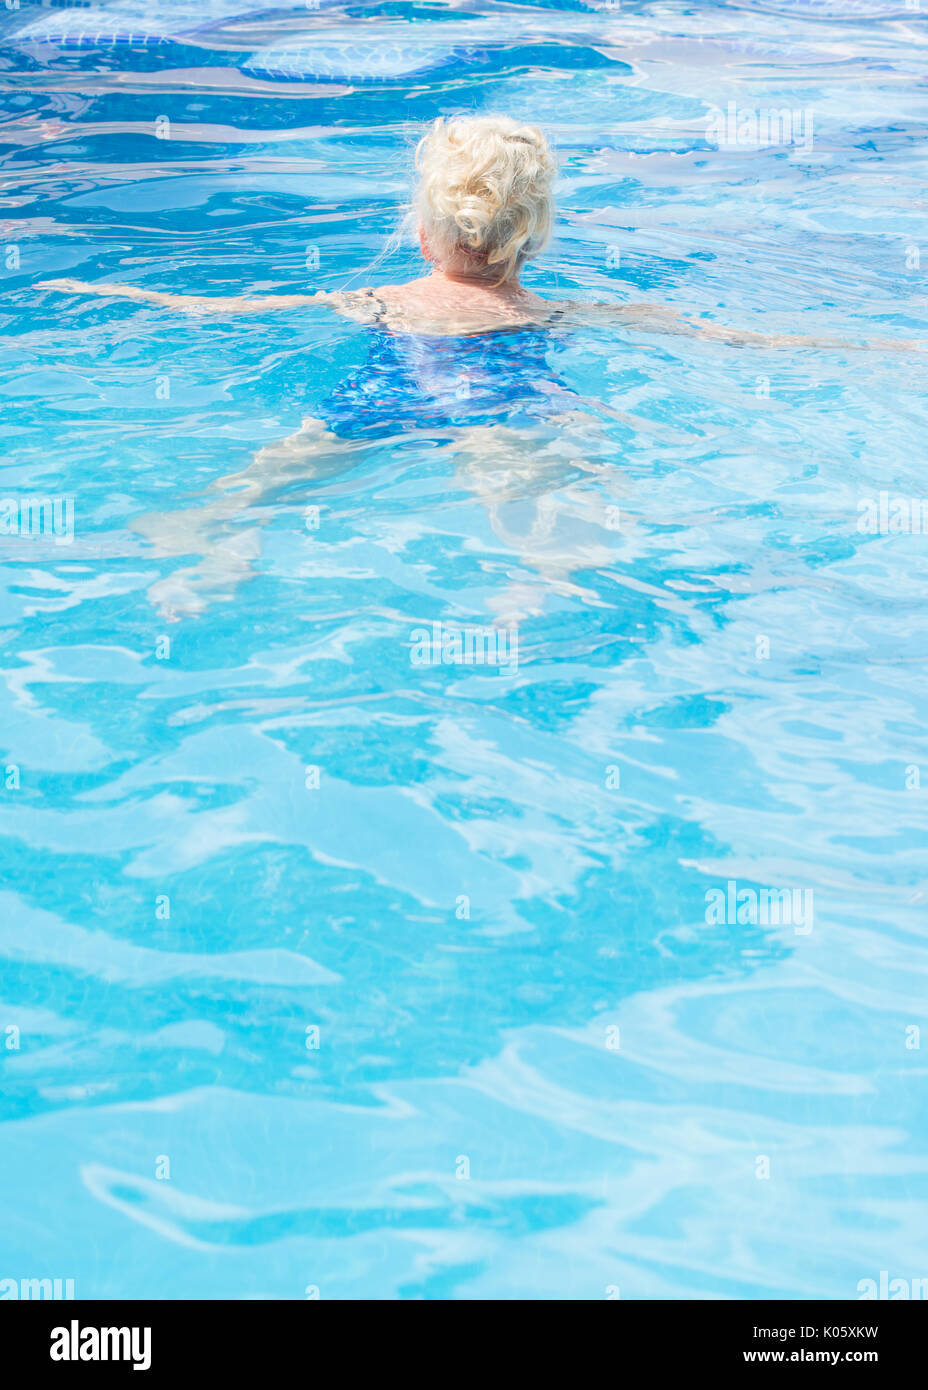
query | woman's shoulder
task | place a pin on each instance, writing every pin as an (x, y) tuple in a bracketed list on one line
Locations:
[(374, 304), (416, 307), (365, 306)]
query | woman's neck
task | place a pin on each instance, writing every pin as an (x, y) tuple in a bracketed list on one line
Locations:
[(461, 275)]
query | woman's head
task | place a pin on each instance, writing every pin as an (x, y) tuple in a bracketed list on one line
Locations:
[(484, 200)]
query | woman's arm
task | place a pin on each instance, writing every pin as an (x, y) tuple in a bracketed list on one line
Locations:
[(654, 318), (190, 303)]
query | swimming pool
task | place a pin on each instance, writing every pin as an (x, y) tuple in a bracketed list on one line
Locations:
[(334, 963)]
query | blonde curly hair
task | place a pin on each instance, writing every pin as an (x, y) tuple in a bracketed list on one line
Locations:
[(485, 192)]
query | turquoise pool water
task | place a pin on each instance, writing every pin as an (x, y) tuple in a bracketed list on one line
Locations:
[(332, 968)]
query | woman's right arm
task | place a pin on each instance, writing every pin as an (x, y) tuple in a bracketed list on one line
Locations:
[(657, 318)]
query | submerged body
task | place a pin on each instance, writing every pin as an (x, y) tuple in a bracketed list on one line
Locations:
[(463, 350), (412, 380), (446, 354)]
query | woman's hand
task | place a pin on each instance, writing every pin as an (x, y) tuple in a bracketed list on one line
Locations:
[(66, 286)]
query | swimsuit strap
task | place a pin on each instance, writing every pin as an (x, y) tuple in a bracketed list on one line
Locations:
[(378, 318)]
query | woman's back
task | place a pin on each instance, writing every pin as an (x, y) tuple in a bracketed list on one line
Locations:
[(411, 380)]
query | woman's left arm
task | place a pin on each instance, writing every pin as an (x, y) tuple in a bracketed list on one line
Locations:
[(188, 303)]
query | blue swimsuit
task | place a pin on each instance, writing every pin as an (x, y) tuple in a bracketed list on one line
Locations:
[(415, 382)]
